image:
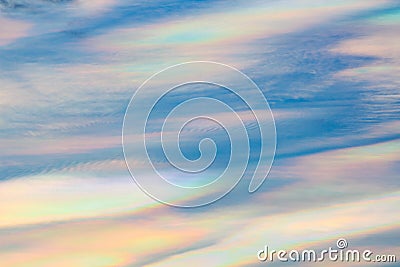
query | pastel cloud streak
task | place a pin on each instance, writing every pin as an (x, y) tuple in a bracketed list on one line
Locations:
[(329, 71), (137, 229), (12, 29)]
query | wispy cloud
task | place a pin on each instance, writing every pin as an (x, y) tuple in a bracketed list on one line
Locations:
[(69, 68), (12, 29)]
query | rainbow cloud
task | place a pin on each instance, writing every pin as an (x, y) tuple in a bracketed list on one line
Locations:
[(69, 68)]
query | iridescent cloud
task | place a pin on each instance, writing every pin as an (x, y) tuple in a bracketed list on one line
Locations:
[(69, 68)]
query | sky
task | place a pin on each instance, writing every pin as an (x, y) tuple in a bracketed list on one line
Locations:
[(68, 70)]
